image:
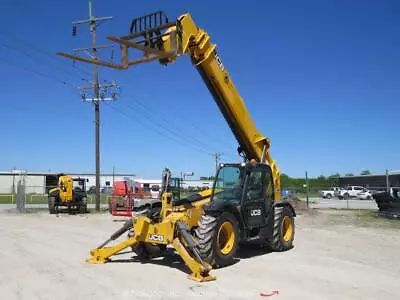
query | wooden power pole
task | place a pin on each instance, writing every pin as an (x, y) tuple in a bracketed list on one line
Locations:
[(100, 92)]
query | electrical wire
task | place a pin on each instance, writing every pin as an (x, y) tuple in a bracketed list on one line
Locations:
[(171, 127), (183, 117), (38, 50), (176, 133), (161, 131), (44, 75), (40, 60)]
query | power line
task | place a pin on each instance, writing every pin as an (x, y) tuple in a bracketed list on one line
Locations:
[(173, 129), (35, 48), (187, 120), (41, 60), (163, 132), (45, 75)]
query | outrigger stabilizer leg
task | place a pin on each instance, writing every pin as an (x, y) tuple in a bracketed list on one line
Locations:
[(183, 243)]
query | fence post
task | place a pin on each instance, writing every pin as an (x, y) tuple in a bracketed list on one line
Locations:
[(20, 201), (307, 191)]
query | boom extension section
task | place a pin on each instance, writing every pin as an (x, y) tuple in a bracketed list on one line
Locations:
[(157, 38)]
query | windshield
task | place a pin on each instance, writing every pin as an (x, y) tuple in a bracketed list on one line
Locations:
[(77, 184), (228, 184)]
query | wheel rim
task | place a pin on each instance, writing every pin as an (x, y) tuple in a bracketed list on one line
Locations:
[(287, 228), (226, 238)]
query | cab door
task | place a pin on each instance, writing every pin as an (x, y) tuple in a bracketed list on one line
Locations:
[(257, 197)]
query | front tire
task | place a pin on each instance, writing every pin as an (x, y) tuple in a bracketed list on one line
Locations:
[(52, 205), (283, 235), (328, 196), (218, 239)]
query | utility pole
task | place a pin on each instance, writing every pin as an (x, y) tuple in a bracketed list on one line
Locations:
[(217, 156), (387, 181), (113, 174), (100, 92)]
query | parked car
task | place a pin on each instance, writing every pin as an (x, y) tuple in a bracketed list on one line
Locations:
[(365, 195), (106, 190), (92, 190), (329, 193), (351, 191), (155, 191)]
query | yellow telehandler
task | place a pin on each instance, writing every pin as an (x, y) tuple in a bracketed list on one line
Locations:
[(244, 205), (70, 193)]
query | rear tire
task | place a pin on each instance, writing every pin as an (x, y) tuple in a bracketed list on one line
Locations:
[(283, 235), (218, 239), (328, 196), (83, 206), (52, 205)]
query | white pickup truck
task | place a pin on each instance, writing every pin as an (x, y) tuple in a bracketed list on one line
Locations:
[(351, 191), (329, 193)]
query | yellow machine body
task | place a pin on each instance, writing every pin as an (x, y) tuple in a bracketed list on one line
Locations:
[(164, 233), (64, 189), (176, 39)]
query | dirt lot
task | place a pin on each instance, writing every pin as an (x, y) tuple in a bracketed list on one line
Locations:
[(337, 255)]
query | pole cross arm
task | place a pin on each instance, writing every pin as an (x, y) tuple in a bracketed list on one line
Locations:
[(149, 54), (91, 61)]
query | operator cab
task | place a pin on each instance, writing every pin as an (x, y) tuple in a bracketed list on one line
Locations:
[(248, 187), (79, 184)]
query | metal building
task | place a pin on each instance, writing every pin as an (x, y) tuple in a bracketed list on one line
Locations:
[(40, 182), (374, 181)]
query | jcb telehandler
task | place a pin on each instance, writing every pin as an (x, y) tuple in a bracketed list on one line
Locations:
[(244, 205), (70, 193)]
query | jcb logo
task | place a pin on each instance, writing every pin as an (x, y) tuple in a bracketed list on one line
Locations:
[(255, 212), (219, 61), (156, 237)]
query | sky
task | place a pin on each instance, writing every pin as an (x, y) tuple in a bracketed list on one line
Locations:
[(320, 78)]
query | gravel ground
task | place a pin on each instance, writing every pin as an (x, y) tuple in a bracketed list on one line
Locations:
[(43, 257)]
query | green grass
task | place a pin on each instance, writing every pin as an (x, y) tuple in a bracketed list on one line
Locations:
[(42, 199), (6, 199), (360, 218), (310, 195)]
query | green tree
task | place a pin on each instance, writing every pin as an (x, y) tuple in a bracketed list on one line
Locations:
[(207, 177), (349, 174), (365, 172), (321, 177), (336, 175)]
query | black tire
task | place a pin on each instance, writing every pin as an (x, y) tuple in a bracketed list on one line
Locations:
[(83, 206), (209, 238), (328, 196), (147, 251), (369, 198), (280, 240), (52, 205), (346, 196)]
